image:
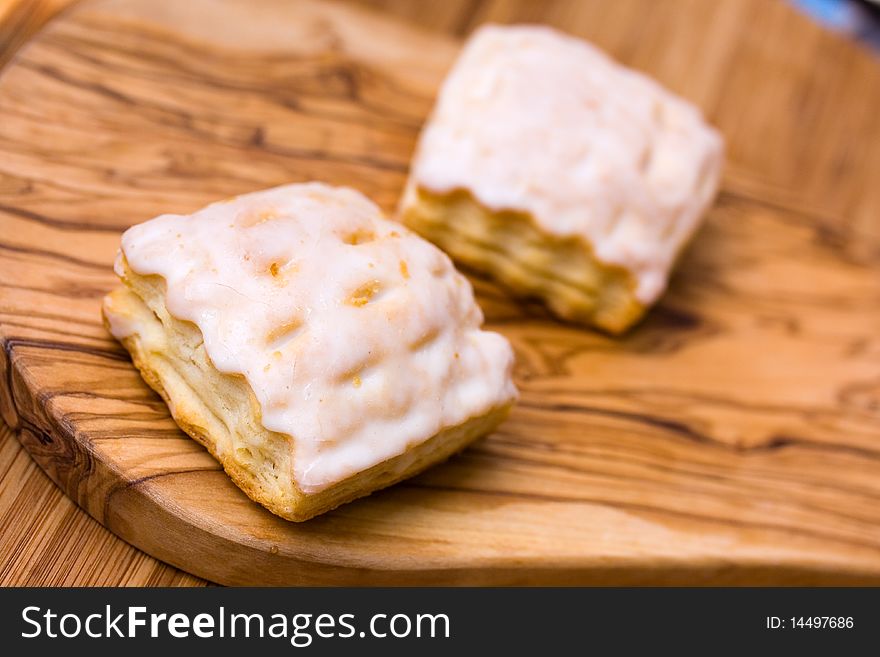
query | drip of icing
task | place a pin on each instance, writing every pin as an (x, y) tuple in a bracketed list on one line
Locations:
[(533, 120), (301, 289)]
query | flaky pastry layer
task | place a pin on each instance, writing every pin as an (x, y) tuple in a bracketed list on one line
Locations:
[(561, 272)]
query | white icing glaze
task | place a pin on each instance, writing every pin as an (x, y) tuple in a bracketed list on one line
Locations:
[(533, 120), (356, 350)]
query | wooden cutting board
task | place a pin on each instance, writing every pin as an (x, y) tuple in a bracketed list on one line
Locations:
[(733, 437)]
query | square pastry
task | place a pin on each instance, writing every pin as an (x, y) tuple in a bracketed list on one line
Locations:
[(562, 174), (317, 349)]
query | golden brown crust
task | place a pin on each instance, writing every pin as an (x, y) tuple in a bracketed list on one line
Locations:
[(508, 245)]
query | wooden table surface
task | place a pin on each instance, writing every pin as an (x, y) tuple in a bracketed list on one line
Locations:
[(45, 539)]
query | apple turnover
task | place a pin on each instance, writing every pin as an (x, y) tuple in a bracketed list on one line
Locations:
[(317, 349), (562, 174)]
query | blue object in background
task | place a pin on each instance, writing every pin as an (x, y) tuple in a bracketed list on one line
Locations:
[(856, 18)]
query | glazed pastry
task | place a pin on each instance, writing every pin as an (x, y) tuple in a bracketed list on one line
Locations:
[(561, 173), (317, 349)]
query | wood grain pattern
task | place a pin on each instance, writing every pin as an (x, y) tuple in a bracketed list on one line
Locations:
[(732, 438), (19, 19), (48, 540)]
